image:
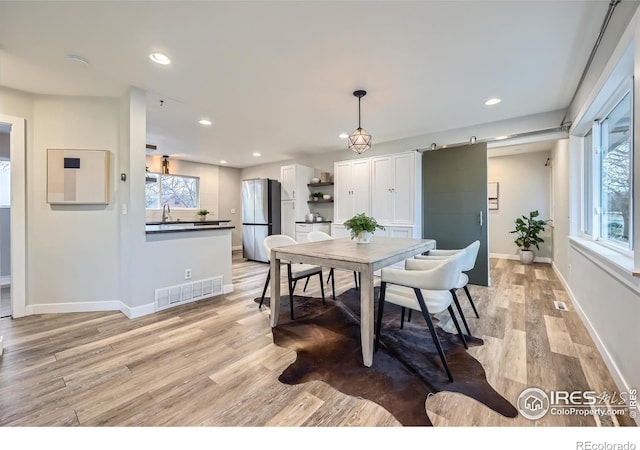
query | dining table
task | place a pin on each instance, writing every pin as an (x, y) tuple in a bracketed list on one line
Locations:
[(345, 253)]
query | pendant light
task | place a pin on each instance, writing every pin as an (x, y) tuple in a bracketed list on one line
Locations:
[(165, 165), (360, 140)]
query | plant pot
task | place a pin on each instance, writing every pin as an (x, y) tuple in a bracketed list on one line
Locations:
[(364, 237), (203, 218), (526, 256)]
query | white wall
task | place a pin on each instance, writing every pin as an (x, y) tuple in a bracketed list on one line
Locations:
[(73, 250), (523, 186), (230, 201), (599, 281)]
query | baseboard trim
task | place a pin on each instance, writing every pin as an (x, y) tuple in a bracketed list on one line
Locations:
[(227, 288), (538, 259), (57, 308), (138, 311), (236, 248), (618, 378)]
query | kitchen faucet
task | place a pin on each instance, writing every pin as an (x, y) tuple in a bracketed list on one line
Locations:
[(166, 212)]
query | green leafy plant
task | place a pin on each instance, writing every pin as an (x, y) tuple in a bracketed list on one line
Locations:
[(361, 222), (528, 230), (203, 212), (317, 195)]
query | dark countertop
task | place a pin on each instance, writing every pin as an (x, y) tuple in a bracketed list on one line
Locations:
[(199, 222), (177, 227), (315, 221)]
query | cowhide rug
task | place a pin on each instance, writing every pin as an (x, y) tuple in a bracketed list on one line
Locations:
[(406, 368)]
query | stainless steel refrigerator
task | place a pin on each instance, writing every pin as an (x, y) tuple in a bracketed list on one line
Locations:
[(260, 216)]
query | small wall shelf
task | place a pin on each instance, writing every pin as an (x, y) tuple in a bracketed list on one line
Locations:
[(320, 201), (319, 184)]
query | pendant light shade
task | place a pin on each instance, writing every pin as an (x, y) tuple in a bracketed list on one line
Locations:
[(360, 140)]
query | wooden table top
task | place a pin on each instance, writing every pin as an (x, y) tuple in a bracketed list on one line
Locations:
[(345, 249)]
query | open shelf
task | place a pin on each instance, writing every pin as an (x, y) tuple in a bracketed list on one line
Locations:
[(320, 201), (319, 184)]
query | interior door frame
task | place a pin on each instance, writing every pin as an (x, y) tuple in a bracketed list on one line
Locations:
[(17, 156)]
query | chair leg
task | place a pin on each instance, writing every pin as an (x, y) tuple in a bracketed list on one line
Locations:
[(264, 291), (409, 315), (383, 289), (304, 289), (321, 286), (402, 317), (292, 287), (464, 321), (455, 322), (355, 279), (330, 275), (466, 290), (434, 335), (333, 283)]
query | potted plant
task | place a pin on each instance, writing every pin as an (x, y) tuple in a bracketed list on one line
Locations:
[(361, 227), (316, 196), (203, 214), (527, 231)]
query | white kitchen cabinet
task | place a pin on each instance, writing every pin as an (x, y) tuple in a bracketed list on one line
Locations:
[(394, 185), (303, 229), (388, 188), (294, 196), (352, 189)]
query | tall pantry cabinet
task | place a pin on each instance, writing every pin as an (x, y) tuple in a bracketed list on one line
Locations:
[(388, 188), (295, 194)]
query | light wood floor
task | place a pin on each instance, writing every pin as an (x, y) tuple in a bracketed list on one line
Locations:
[(213, 362)]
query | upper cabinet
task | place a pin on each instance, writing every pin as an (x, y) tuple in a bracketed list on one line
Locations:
[(352, 181), (388, 188), (394, 188)]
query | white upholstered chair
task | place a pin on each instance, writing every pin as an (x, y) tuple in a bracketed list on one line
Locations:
[(424, 286), (471, 255), (317, 235), (295, 271)]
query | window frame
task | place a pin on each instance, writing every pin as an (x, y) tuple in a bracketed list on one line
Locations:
[(160, 175), (617, 95)]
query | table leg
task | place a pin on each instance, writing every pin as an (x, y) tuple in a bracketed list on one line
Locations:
[(366, 315), (274, 291)]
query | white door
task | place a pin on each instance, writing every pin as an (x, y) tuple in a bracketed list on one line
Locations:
[(403, 190), (360, 187), (343, 200), (288, 218), (382, 178), (288, 182)]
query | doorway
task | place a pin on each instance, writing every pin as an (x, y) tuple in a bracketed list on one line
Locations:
[(12, 130), (5, 222)]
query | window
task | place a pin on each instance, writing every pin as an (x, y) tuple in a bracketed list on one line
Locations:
[(608, 174), (176, 191), (5, 183)]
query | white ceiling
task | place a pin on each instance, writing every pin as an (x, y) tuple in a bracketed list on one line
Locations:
[(277, 77)]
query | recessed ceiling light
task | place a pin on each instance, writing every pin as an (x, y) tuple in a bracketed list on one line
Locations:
[(160, 58), (204, 122), (256, 154), (77, 58), (499, 138), (343, 135), (223, 161), (492, 101)]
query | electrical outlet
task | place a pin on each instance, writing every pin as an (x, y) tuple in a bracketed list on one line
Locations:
[(187, 274)]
